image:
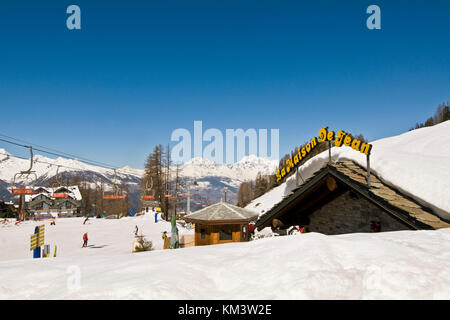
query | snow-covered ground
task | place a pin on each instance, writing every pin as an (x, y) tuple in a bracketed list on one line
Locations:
[(416, 162), (390, 265), (106, 236)]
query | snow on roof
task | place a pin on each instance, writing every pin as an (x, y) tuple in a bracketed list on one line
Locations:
[(222, 211), (74, 192), (47, 190), (354, 177), (415, 163)]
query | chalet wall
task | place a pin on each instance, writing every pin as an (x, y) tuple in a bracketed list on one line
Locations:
[(212, 234), (351, 213)]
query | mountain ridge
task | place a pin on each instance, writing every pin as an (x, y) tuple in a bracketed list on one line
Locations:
[(211, 177)]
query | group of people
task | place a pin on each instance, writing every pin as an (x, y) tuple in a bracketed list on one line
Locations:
[(5, 221)]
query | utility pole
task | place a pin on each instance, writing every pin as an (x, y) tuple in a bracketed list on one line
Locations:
[(176, 189), (225, 190), (188, 209)]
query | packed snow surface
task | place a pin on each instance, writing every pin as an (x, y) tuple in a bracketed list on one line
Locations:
[(106, 236), (416, 162), (390, 265)]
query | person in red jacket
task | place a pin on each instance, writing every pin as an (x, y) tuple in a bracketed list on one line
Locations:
[(85, 239)]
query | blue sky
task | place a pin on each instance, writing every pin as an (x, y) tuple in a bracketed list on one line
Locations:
[(137, 70)]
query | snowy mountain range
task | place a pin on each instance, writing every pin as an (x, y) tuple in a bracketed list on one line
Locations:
[(210, 177)]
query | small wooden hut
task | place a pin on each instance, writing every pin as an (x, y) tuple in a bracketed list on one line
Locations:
[(221, 223)]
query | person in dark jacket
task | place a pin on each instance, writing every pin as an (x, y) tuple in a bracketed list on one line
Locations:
[(85, 239)]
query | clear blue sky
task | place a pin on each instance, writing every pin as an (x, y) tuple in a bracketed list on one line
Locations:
[(137, 70)]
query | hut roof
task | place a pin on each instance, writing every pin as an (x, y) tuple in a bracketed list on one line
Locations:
[(221, 212), (353, 176)]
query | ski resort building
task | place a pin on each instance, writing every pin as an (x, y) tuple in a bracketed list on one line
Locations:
[(221, 223), (57, 202), (7, 209), (337, 199)]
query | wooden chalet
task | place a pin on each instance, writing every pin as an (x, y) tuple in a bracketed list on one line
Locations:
[(337, 200), (60, 201), (221, 223)]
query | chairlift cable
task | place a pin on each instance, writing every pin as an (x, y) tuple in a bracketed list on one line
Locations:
[(92, 162), (59, 153)]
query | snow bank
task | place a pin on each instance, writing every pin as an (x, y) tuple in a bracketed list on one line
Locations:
[(390, 265), (416, 162)]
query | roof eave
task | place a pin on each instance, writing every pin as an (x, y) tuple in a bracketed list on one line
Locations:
[(218, 222)]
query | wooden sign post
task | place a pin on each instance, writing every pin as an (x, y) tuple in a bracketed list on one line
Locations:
[(37, 240)]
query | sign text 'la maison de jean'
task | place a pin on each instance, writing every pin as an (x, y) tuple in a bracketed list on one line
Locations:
[(342, 138)]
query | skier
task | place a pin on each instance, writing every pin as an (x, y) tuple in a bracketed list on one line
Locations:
[(85, 239), (156, 217), (136, 230), (85, 220), (164, 235)]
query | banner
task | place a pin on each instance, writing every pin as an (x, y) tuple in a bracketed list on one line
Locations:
[(60, 195), (22, 191)]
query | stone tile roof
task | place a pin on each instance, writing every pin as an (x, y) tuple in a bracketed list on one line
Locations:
[(388, 194), (222, 211), (387, 197)]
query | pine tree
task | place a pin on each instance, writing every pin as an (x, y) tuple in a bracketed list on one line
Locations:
[(245, 194), (157, 171), (261, 185), (429, 122)]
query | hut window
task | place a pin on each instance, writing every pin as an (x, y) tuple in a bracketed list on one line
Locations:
[(203, 233), (225, 235)]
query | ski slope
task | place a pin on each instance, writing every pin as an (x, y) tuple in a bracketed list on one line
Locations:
[(390, 265), (106, 236), (416, 162)]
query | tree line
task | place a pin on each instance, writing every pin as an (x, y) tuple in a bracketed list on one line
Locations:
[(93, 203), (442, 114), (162, 181)]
